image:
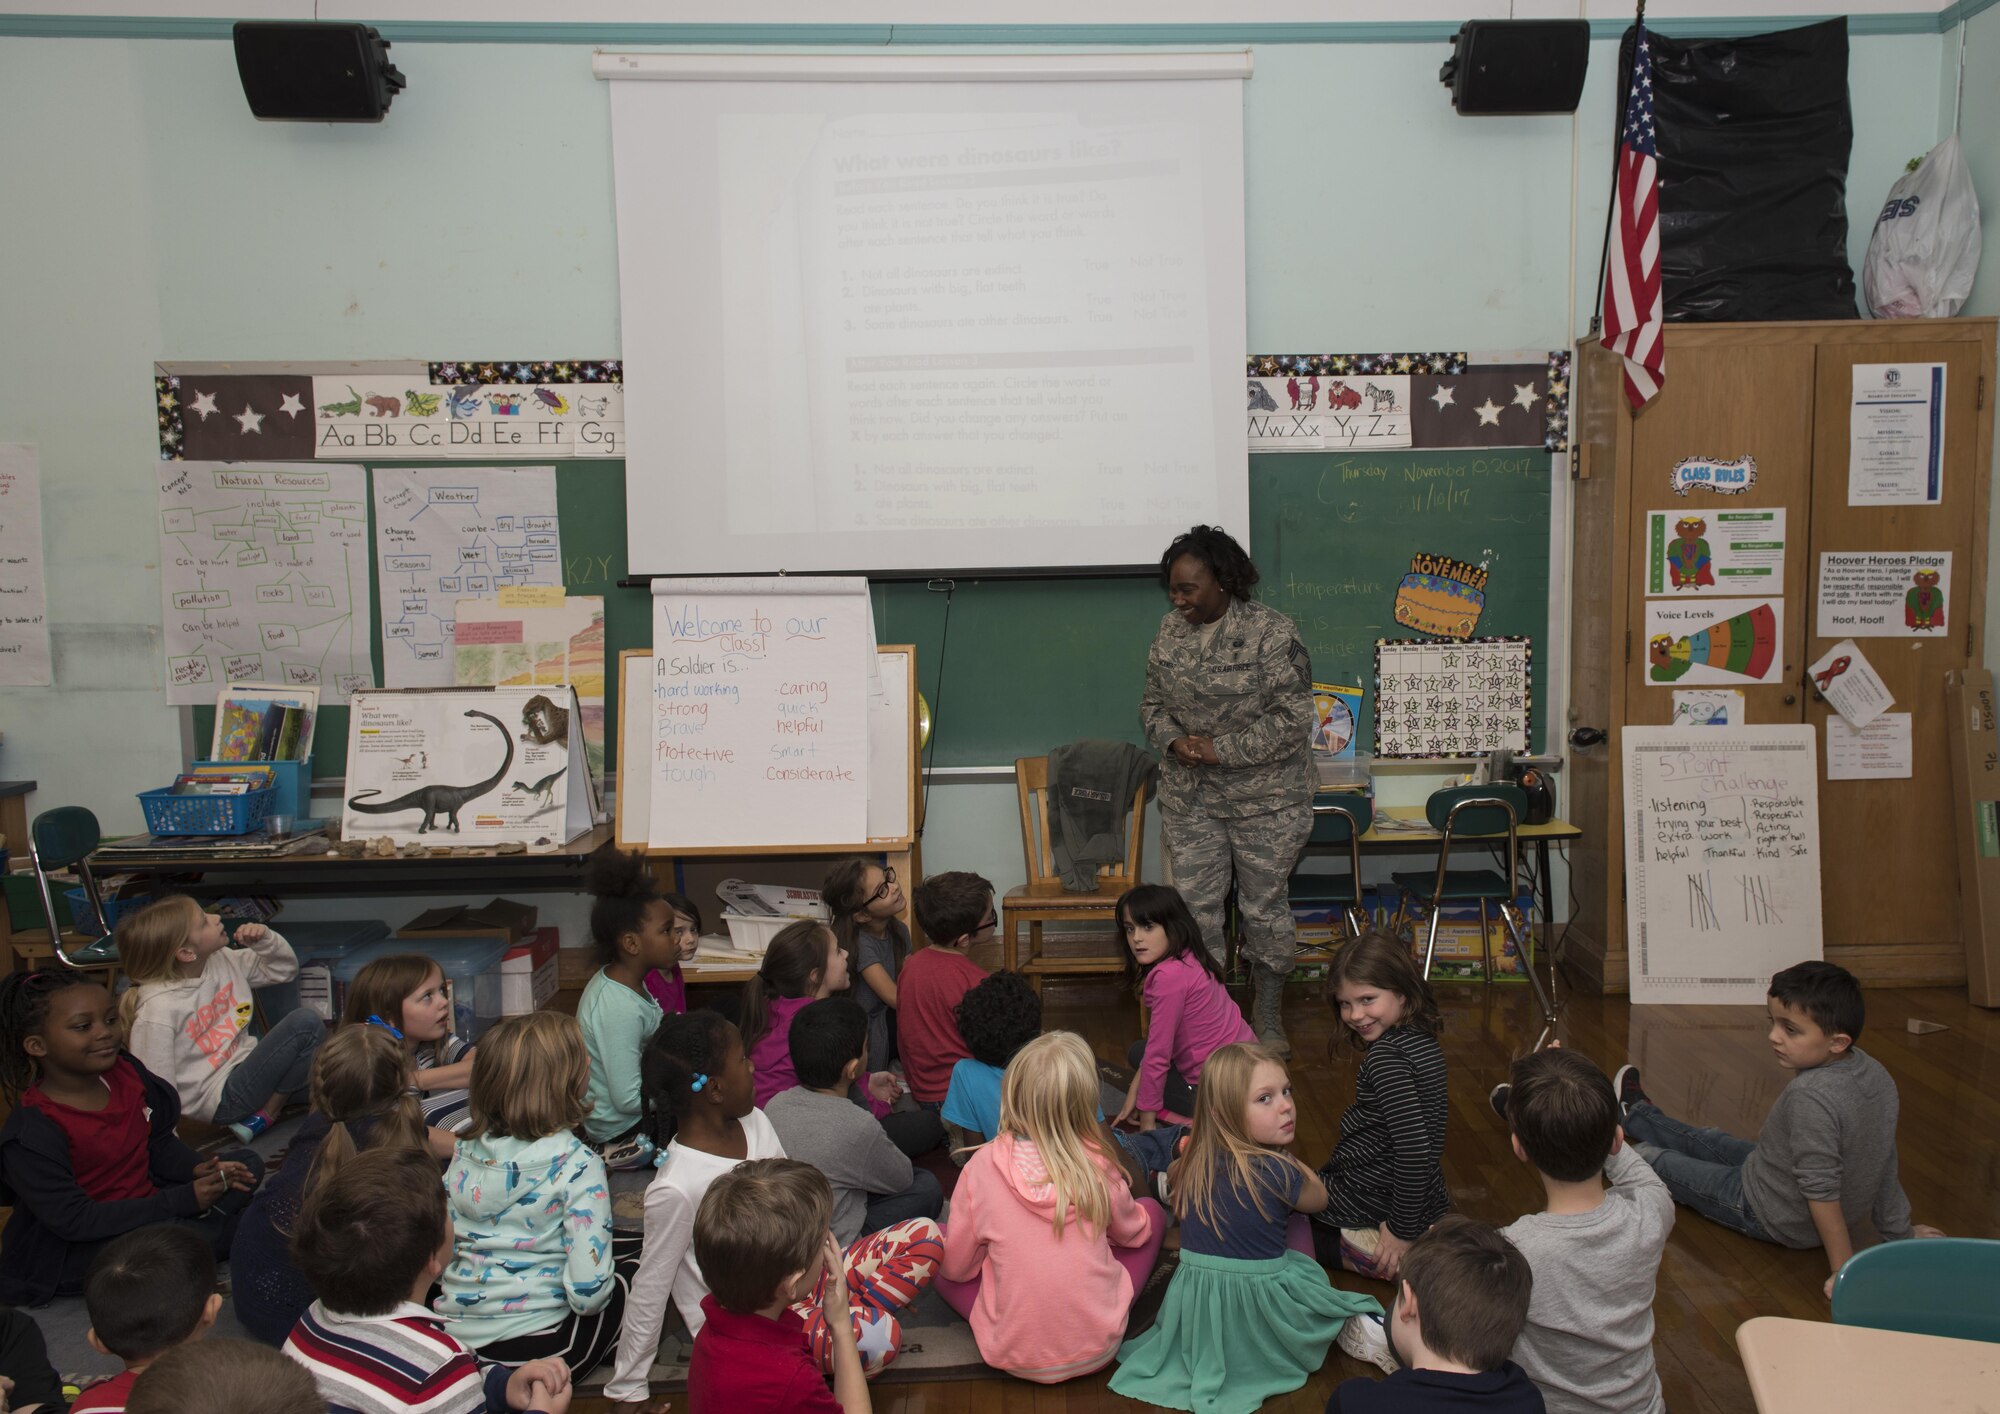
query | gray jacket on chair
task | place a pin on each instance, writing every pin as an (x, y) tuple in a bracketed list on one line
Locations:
[(1091, 784)]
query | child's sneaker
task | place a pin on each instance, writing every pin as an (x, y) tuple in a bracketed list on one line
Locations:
[(1497, 1097), (1365, 1338), (250, 1127), (628, 1154), (1625, 1084)]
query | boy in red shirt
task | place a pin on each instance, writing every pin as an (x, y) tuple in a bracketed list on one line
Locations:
[(762, 1237), (955, 910), (147, 1292)]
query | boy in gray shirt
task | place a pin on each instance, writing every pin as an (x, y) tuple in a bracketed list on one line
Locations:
[(1595, 1253), (874, 1184), (1826, 1157)]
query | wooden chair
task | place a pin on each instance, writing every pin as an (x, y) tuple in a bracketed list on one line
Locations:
[(1044, 900)]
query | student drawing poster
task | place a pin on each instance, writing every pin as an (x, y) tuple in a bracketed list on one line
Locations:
[(1708, 707), (1711, 552), (1884, 593), (1714, 642), (1895, 435), (24, 620), (537, 638)]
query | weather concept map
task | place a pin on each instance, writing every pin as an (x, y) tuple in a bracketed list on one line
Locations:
[(446, 534)]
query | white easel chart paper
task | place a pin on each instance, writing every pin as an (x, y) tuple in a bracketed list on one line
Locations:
[(1452, 699), (761, 694), (24, 620), (1722, 859), (1882, 751), (263, 577), (1895, 431), (1711, 552), (1848, 681), (1883, 593), (448, 533)]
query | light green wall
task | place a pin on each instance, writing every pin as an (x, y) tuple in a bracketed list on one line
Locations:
[(145, 215)]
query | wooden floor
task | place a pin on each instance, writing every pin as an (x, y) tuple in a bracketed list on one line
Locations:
[(1710, 1064)]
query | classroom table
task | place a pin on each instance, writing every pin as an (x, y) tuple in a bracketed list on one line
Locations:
[(1425, 840), (1812, 1367), (558, 870)]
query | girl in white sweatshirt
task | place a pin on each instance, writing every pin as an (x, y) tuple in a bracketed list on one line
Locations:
[(187, 1014)]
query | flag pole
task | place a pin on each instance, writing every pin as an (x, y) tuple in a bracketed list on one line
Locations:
[(1604, 246)]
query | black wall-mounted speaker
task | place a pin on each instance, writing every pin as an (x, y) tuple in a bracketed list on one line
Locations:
[(1517, 66), (302, 71)]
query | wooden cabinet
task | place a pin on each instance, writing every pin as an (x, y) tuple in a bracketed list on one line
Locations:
[(1781, 394)]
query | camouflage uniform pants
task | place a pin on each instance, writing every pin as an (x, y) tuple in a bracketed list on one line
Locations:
[(1260, 851)]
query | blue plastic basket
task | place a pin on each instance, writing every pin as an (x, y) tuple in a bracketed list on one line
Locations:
[(170, 814), (114, 909)]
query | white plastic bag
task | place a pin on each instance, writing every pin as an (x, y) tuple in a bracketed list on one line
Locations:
[(1925, 249)]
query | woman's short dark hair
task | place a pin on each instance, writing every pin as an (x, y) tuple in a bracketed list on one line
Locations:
[(1215, 547)]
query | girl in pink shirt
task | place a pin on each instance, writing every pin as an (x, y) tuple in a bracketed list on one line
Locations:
[(1046, 1244), (803, 964), (1191, 1012)]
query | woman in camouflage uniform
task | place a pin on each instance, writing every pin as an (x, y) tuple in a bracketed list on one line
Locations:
[(1228, 705)]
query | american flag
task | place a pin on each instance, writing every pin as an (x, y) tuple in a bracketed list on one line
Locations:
[(1632, 310)]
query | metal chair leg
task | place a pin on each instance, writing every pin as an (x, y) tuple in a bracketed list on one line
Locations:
[(1431, 942), (1543, 997), (1485, 942)]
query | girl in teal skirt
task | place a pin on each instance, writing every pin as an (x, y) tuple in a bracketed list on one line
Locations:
[(1249, 1314)]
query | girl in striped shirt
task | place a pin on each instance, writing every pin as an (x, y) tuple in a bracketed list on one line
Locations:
[(1384, 1180)]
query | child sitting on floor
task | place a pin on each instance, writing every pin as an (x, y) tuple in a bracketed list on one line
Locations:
[(1456, 1314), (1385, 1178), (1595, 1254), (631, 926), (874, 1183), (1046, 1245), (371, 1240), (89, 1151), (865, 900), (361, 1099), (534, 1274), (762, 1230), (1246, 1268), (1826, 1156), (1190, 1013), (147, 1292), (405, 997), (955, 910), (187, 1014), (225, 1377)]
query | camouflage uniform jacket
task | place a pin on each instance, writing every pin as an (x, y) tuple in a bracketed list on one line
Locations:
[(1250, 691)]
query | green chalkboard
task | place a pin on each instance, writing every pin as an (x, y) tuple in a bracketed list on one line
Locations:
[(1031, 664)]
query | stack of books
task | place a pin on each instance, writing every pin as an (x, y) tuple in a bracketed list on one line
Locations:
[(214, 779)]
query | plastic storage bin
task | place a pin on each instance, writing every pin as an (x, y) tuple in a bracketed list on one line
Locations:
[(114, 909), (463, 961), (170, 814), (320, 944)]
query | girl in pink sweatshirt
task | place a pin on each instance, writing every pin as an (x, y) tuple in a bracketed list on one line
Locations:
[(1191, 1014), (1046, 1245)]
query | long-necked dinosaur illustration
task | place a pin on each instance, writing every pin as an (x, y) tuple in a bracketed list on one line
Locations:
[(440, 800)]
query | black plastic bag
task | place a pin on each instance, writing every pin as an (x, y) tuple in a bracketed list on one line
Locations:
[(1754, 137)]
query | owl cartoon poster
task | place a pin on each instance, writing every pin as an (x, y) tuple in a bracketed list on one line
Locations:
[(1715, 551)]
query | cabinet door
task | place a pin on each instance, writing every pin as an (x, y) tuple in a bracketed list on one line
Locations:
[(1888, 852), (1730, 393)]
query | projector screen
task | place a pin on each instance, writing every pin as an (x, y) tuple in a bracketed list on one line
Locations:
[(907, 313)]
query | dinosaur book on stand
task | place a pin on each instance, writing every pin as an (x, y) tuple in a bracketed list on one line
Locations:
[(468, 766)]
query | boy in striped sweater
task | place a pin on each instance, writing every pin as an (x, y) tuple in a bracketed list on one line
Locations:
[(371, 1240)]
